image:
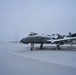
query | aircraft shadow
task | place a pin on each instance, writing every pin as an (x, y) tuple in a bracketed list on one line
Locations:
[(65, 48)]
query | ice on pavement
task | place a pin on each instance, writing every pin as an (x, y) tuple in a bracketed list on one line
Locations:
[(66, 56)]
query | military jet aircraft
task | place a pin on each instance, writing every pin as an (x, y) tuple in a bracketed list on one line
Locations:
[(34, 38)]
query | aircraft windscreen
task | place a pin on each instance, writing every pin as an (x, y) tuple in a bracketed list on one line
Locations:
[(32, 33)]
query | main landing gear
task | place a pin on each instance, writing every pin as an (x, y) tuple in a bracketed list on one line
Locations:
[(58, 46), (41, 46)]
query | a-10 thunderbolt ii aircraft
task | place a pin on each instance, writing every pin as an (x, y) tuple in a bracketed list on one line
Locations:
[(34, 38)]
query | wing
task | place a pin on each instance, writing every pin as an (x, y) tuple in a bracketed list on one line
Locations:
[(60, 40)]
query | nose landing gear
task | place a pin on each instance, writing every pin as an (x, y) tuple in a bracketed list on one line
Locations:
[(32, 46)]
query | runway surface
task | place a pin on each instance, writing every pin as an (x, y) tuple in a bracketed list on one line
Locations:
[(17, 59)]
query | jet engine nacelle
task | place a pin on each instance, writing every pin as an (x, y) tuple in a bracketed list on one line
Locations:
[(55, 36)]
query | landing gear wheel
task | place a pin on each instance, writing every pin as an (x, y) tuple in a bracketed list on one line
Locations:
[(58, 47), (41, 46), (31, 49)]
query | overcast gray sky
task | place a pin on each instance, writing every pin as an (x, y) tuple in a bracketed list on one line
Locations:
[(20, 17)]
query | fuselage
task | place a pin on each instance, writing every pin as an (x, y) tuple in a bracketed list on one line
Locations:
[(35, 39)]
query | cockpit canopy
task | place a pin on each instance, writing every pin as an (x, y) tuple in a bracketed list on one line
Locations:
[(32, 33)]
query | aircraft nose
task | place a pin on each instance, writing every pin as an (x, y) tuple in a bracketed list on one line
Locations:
[(21, 41), (24, 41)]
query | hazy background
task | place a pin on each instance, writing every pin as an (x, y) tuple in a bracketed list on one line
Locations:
[(20, 17)]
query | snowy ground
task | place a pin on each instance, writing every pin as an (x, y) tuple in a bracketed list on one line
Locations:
[(17, 59)]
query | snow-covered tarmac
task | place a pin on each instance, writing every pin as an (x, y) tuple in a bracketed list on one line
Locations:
[(17, 59)]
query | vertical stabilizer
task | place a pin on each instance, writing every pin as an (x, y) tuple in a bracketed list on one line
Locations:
[(69, 34)]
